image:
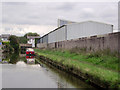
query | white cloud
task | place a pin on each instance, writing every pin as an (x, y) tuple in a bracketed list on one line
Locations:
[(59, 0), (20, 30), (88, 10), (42, 16)]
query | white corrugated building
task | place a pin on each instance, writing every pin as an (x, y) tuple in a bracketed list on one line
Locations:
[(87, 28), (77, 30)]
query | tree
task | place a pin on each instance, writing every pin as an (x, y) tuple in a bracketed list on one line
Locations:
[(31, 34), (14, 58), (7, 46), (14, 42), (22, 40)]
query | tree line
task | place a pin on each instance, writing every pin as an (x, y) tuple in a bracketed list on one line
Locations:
[(15, 41)]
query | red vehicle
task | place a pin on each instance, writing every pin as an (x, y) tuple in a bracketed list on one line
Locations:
[(30, 53)]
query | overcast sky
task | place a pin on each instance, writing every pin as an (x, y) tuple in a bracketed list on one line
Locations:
[(21, 17)]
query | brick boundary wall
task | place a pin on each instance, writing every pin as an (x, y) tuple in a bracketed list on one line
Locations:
[(94, 43)]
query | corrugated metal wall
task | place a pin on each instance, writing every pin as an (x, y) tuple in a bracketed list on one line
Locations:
[(45, 39), (57, 35), (77, 30), (86, 29), (40, 40), (61, 34), (52, 37)]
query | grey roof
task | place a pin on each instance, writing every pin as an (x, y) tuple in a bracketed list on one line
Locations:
[(5, 35)]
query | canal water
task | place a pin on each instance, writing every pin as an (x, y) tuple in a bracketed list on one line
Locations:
[(18, 73)]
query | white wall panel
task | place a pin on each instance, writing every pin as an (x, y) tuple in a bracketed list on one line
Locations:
[(86, 29), (57, 35)]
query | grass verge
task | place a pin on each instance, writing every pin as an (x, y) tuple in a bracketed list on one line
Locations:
[(90, 64)]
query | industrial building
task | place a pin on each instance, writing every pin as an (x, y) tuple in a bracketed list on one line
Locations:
[(76, 30)]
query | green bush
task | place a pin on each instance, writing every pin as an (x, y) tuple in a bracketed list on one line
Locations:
[(5, 43), (14, 43), (22, 40)]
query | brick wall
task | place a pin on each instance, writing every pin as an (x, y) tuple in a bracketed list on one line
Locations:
[(110, 41)]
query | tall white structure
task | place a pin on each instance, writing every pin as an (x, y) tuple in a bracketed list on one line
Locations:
[(62, 22)]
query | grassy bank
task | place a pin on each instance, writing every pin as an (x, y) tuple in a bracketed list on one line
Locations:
[(99, 66)]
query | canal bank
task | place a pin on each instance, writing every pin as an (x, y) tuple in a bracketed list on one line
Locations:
[(100, 76)]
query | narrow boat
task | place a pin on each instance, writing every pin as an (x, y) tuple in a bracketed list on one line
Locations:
[(30, 55)]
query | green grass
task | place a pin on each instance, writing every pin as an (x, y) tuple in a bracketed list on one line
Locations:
[(107, 61), (99, 66)]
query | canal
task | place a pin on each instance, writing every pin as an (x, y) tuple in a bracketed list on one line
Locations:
[(18, 73)]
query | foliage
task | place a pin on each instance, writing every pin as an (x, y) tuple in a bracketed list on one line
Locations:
[(14, 42), (99, 58), (78, 50), (31, 34), (8, 47), (22, 40), (0, 39), (36, 42), (14, 58), (5, 43)]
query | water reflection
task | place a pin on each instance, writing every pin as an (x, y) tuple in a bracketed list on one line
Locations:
[(65, 80), (5, 58), (21, 64), (28, 60), (31, 61), (30, 56), (14, 58), (27, 73)]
